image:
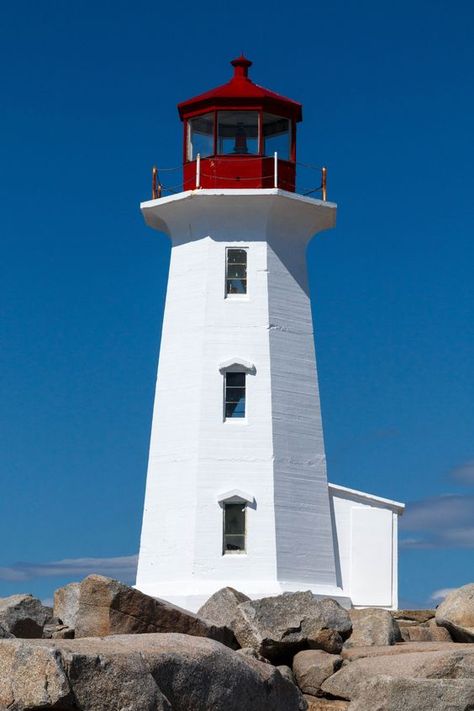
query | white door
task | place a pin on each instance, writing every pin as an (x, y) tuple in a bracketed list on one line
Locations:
[(371, 557)]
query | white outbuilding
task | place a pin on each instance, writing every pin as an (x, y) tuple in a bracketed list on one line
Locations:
[(237, 491)]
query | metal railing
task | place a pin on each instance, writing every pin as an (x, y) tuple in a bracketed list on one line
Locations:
[(157, 187)]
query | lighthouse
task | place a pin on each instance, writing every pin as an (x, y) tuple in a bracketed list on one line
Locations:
[(237, 491)]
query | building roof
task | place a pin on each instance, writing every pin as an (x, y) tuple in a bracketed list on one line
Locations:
[(395, 505), (241, 91)]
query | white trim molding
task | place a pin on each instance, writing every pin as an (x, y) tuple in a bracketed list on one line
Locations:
[(235, 496), (238, 364), (389, 503)]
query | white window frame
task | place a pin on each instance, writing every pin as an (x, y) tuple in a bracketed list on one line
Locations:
[(236, 365), (237, 371), (236, 297), (242, 551), (236, 496)]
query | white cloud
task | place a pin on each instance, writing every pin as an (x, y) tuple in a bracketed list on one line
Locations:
[(418, 542), (439, 595), (463, 474), (439, 522), (122, 567)]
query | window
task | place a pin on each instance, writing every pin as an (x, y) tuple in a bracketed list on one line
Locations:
[(234, 394), (234, 528), (237, 132), (236, 271), (200, 136), (276, 136)]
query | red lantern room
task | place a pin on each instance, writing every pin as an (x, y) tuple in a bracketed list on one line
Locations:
[(240, 135)]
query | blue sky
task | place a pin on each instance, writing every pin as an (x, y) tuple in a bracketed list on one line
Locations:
[(89, 93)]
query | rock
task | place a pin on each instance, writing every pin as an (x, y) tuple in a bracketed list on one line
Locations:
[(103, 680), (328, 640), (32, 677), (372, 627), (4, 633), (286, 673), (318, 704), (23, 616), (404, 627), (418, 633), (221, 607), (348, 681), (439, 634), (49, 628), (417, 616), (201, 674), (66, 603), (313, 666), (397, 650), (386, 693), (61, 632), (405, 634), (249, 652), (278, 627), (425, 632), (54, 629), (145, 672), (456, 613), (107, 607)]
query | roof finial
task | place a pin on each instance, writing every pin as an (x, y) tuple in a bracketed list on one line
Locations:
[(241, 67)]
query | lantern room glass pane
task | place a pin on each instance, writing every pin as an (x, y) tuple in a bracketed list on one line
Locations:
[(200, 136), (276, 136), (237, 132)]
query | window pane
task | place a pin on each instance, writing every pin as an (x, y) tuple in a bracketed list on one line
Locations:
[(234, 518), (235, 394), (237, 256), (201, 136), (276, 136), (237, 132), (237, 271), (235, 409), (234, 543), (235, 379), (236, 286)]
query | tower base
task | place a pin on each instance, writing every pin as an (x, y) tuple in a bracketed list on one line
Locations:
[(194, 594)]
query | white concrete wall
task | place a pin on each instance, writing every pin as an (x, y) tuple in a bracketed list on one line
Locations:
[(305, 550), (170, 506), (236, 453), (277, 453)]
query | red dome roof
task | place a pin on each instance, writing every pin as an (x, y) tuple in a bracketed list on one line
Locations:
[(241, 91)]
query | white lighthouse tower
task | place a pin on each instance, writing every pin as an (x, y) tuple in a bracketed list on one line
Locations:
[(237, 492)]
